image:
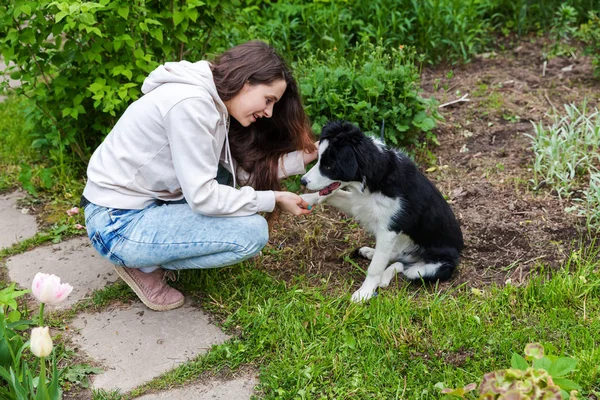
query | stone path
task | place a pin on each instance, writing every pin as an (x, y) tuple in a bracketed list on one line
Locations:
[(132, 344)]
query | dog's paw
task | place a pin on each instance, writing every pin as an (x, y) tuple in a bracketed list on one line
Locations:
[(362, 296), (367, 290), (311, 198), (390, 273), (366, 252)]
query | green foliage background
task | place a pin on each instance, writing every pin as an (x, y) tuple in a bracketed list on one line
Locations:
[(81, 63)]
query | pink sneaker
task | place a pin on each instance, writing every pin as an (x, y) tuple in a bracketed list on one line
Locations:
[(152, 288)]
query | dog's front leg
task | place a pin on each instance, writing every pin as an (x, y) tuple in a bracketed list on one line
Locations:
[(312, 198), (342, 200), (339, 199), (384, 246)]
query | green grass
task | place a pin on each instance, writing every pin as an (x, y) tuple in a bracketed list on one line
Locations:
[(308, 343), (15, 146)]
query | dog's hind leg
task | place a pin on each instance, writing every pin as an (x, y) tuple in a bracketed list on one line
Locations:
[(389, 274), (384, 247), (422, 270)]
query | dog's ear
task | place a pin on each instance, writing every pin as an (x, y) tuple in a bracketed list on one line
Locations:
[(347, 162)]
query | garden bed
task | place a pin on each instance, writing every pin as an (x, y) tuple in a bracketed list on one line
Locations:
[(482, 165)]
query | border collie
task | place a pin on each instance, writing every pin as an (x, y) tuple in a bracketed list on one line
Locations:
[(414, 227)]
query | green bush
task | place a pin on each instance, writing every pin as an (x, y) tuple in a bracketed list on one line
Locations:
[(441, 29), (82, 63), (523, 16), (382, 84), (590, 34)]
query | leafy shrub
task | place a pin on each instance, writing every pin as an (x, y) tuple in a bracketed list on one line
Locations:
[(523, 16), (382, 85), (563, 30), (441, 29), (81, 63), (544, 379), (590, 34)]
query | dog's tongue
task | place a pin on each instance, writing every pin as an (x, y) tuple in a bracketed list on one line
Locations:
[(327, 190)]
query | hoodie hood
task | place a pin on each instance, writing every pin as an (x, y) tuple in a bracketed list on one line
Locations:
[(198, 74)]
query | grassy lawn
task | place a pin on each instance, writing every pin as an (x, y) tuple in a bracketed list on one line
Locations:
[(405, 343)]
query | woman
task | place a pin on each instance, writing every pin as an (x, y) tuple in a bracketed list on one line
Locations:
[(157, 197)]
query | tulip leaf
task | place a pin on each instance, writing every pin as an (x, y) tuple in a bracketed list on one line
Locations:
[(8, 296)]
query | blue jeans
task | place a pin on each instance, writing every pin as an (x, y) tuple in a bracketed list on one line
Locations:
[(172, 236)]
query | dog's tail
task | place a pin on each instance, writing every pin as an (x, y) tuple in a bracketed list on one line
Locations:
[(434, 264)]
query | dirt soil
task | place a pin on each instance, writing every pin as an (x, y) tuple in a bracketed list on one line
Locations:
[(483, 165)]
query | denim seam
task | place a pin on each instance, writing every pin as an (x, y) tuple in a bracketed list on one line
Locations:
[(182, 243), (95, 212), (97, 238)]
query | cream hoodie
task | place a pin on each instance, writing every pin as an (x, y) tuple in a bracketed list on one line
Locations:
[(167, 145)]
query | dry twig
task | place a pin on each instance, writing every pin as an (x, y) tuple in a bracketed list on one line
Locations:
[(462, 99)]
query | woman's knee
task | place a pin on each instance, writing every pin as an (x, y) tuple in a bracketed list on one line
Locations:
[(257, 233)]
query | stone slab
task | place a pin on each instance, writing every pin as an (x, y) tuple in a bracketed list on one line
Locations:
[(237, 389), (137, 344), (74, 261), (16, 225)]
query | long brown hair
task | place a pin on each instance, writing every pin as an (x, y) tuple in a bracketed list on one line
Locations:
[(258, 147)]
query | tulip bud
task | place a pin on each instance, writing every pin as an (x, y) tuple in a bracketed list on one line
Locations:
[(73, 211), (41, 342), (48, 289)]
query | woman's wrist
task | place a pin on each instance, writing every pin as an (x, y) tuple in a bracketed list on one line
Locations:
[(278, 195), (312, 156)]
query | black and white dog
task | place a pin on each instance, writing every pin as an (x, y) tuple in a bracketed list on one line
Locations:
[(414, 227)]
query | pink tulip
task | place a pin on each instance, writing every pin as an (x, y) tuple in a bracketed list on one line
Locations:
[(48, 289), (79, 226), (73, 211)]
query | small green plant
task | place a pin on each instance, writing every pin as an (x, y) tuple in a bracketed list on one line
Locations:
[(564, 29), (511, 118), (543, 379), (567, 158), (16, 376)]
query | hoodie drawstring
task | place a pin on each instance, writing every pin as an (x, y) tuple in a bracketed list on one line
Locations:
[(228, 157)]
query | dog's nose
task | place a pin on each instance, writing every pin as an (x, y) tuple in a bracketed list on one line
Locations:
[(303, 181)]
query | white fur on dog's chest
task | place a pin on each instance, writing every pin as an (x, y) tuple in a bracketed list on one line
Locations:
[(374, 210)]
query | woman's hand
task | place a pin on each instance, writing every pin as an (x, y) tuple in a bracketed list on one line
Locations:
[(312, 156), (291, 203)]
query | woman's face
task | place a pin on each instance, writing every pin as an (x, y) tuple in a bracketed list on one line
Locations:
[(255, 101)]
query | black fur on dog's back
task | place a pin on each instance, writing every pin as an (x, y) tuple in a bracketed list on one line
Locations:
[(424, 214)]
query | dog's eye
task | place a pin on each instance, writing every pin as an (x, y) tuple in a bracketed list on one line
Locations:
[(327, 167)]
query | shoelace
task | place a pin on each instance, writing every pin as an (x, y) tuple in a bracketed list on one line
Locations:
[(170, 276)]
